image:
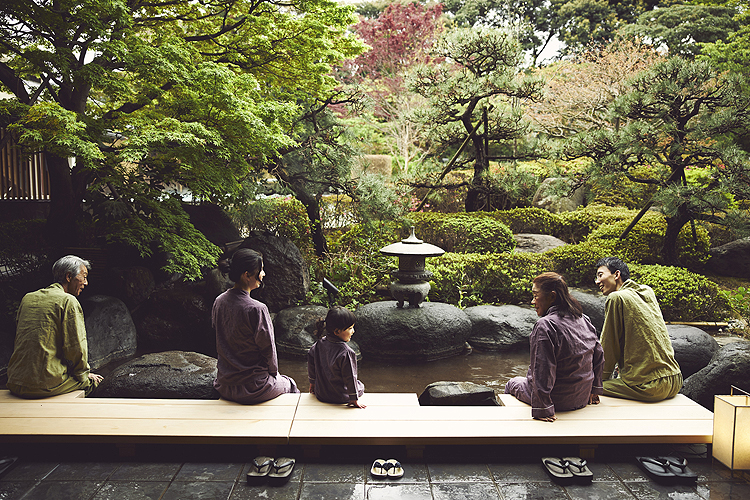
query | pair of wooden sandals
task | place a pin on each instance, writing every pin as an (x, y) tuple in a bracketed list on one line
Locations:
[(276, 471), (390, 468), (568, 470)]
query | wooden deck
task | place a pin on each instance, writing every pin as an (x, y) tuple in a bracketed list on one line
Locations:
[(389, 419)]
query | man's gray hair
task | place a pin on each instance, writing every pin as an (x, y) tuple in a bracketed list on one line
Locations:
[(70, 264)]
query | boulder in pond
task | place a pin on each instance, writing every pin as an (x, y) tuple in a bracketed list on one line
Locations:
[(500, 328), (110, 330), (732, 259), (458, 394), (592, 304), (433, 330), (162, 375), (693, 348), (729, 366)]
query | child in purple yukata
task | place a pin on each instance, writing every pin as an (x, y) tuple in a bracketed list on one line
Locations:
[(331, 364), (567, 359)]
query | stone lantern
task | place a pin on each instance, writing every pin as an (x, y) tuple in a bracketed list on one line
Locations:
[(411, 280)]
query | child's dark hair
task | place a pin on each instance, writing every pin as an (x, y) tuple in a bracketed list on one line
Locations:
[(338, 318)]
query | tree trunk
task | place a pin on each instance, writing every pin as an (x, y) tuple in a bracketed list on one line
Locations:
[(61, 222), (312, 206), (674, 225)]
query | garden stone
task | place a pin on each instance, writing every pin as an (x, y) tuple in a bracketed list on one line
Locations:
[(132, 285), (110, 330), (593, 304), (434, 330), (162, 375), (287, 276), (177, 318), (213, 222), (732, 259), (536, 243), (500, 328), (458, 394), (548, 196), (729, 366), (693, 348)]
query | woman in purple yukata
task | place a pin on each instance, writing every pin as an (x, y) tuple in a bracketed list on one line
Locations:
[(248, 369), (331, 364), (565, 372)]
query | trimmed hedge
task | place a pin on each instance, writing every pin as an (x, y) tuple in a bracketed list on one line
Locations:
[(529, 220), (476, 232)]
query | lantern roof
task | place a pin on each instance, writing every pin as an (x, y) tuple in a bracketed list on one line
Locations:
[(412, 246)]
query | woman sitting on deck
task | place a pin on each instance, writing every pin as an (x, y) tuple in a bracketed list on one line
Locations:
[(247, 366), (565, 372)]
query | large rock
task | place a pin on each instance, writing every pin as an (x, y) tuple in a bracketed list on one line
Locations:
[(215, 224), (536, 243), (163, 375), (294, 329), (458, 394), (732, 259), (693, 348), (110, 330), (592, 304), (553, 194), (500, 328), (177, 318), (132, 285), (729, 366), (287, 278), (433, 330)]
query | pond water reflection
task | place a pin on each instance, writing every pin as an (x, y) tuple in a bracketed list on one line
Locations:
[(486, 368)]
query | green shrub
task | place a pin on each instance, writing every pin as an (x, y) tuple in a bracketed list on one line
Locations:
[(645, 242), (614, 190), (682, 295), (576, 226), (529, 220), (470, 279), (476, 232), (577, 262), (281, 216)]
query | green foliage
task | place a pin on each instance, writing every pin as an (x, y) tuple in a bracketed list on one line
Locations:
[(284, 217), (470, 279), (475, 232), (738, 301), (614, 190), (160, 227), (644, 243), (577, 225), (529, 220), (576, 262), (682, 295)]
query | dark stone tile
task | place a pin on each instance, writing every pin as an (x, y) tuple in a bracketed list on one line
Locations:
[(29, 471), (145, 471), (654, 491), (716, 471), (58, 490), (131, 490), (294, 477), (465, 491), (288, 491), (335, 473), (413, 473), (209, 472), (332, 491), (724, 490), (398, 491), (628, 471), (457, 473), (198, 490), (13, 490), (519, 473), (602, 472), (83, 471), (599, 490), (529, 491)]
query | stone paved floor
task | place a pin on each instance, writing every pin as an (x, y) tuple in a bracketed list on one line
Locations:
[(481, 473)]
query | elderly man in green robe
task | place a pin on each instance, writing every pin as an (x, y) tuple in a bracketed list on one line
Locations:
[(635, 338), (50, 355)]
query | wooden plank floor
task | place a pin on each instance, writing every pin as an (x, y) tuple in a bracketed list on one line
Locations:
[(389, 419)]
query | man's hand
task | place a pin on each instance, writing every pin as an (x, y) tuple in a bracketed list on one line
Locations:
[(312, 388), (97, 379), (355, 404), (551, 418), (594, 399)]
